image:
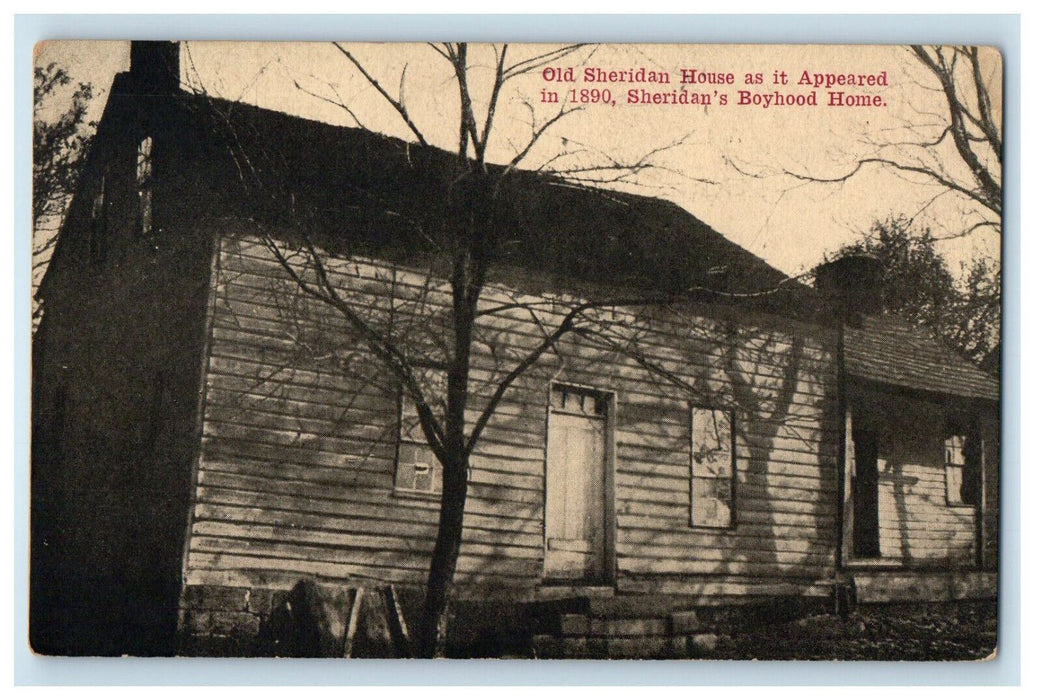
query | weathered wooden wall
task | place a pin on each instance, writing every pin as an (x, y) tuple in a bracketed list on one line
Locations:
[(295, 476), (116, 372)]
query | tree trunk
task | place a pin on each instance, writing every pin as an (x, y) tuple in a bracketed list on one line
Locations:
[(470, 203), (431, 642)]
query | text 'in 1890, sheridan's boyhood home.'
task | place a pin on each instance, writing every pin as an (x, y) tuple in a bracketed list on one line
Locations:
[(208, 434)]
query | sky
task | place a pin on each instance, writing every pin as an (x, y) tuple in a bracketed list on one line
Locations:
[(725, 163)]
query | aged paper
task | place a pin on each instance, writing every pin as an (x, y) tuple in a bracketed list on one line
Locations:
[(538, 351)]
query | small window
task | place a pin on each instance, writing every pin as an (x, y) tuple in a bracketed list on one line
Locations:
[(954, 461), (712, 467), (417, 470), (961, 469), (99, 225), (144, 186)]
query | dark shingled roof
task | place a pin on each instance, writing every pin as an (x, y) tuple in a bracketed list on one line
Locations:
[(352, 178), (891, 351)]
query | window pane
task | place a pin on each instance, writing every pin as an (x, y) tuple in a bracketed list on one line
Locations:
[(423, 477), (144, 161), (954, 463), (571, 399), (418, 469), (144, 185), (953, 476), (712, 468), (953, 450), (411, 429)]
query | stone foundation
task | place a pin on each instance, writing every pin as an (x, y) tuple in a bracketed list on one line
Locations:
[(318, 621), (222, 620)]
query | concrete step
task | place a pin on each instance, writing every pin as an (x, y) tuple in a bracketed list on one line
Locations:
[(646, 647), (637, 606), (582, 625)]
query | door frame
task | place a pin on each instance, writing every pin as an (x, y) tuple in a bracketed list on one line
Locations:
[(608, 574)]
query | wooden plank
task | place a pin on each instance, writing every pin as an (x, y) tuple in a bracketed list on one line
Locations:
[(413, 559), (276, 469), (751, 487), (309, 398), (630, 500), (751, 537), (782, 473), (636, 566), (229, 521), (726, 589), (677, 519), (357, 423), (348, 503), (206, 567), (666, 556), (281, 486), (229, 450), (402, 540), (393, 518), (489, 471)]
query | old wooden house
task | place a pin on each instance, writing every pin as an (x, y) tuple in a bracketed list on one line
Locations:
[(205, 435)]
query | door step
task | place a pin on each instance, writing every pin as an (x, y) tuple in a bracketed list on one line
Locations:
[(649, 626)]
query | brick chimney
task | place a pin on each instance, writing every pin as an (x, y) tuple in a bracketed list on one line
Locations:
[(155, 67), (851, 285)]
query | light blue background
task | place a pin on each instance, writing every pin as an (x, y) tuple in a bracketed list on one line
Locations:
[(998, 30)]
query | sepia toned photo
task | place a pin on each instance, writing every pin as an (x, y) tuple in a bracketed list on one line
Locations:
[(528, 351)]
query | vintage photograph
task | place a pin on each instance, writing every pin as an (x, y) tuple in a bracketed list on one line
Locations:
[(528, 351)]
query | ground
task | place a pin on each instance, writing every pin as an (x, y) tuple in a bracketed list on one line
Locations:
[(963, 630)]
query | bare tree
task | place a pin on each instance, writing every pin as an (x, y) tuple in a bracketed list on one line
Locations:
[(957, 150), (423, 329)]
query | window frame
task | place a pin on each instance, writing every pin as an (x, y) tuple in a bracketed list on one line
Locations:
[(732, 476), (953, 493), (433, 492)]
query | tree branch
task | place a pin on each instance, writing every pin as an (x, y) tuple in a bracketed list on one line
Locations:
[(991, 192), (398, 106), (385, 349)]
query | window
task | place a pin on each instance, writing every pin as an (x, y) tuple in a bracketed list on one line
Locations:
[(418, 470), (712, 467), (961, 467), (144, 186), (99, 225)]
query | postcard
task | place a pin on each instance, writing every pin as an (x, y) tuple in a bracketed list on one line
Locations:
[(612, 351)]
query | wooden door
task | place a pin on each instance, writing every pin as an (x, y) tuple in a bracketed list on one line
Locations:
[(575, 485)]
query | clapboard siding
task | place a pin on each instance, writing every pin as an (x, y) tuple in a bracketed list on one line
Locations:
[(296, 473), (367, 502), (917, 524)]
